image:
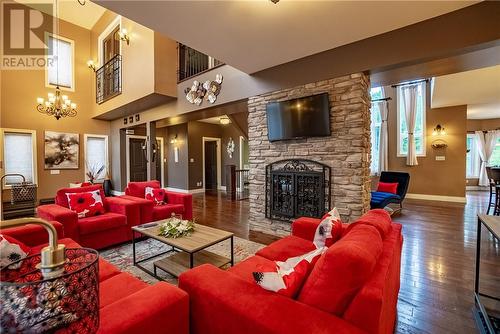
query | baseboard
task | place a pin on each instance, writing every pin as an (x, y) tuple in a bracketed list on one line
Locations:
[(177, 190), (117, 193), (223, 188), (196, 191), (476, 188), (455, 199)]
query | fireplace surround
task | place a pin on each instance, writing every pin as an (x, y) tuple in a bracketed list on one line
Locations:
[(297, 188)]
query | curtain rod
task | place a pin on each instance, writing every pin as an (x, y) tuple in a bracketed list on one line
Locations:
[(382, 99), (409, 83)]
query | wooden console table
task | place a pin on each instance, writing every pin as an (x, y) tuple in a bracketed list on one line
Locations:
[(486, 324)]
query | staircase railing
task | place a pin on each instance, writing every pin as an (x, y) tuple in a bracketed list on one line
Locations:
[(192, 62)]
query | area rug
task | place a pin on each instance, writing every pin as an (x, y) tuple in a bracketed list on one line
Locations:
[(121, 256)]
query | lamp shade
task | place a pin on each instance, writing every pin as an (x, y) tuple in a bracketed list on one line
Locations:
[(65, 303)]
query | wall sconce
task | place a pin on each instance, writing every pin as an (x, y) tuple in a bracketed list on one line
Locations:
[(439, 131), (123, 34), (91, 65), (173, 140)]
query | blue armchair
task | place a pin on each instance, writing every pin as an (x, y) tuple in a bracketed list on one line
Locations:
[(381, 199)]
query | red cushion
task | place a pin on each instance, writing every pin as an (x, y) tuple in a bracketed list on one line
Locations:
[(165, 211), (62, 199), (13, 240), (156, 195), (86, 204), (285, 248), (103, 222), (118, 287), (378, 218), (137, 189), (245, 268), (387, 187), (342, 270)]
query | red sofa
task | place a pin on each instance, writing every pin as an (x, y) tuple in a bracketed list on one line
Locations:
[(353, 288), (127, 304), (177, 203), (112, 227)]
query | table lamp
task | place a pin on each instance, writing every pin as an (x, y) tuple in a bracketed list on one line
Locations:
[(55, 291)]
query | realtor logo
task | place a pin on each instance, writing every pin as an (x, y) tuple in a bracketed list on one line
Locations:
[(24, 34)]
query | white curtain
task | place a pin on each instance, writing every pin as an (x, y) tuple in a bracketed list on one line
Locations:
[(383, 161), (485, 146), (409, 94)]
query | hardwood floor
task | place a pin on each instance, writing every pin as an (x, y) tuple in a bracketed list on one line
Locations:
[(437, 270)]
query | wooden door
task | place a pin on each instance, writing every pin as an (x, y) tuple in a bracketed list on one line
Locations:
[(138, 164), (110, 48), (211, 165)]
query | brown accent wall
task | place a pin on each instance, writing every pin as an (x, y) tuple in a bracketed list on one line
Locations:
[(431, 177), (19, 90)]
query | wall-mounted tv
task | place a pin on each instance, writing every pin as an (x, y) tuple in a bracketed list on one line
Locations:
[(299, 118)]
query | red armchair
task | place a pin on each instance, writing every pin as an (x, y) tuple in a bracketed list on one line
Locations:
[(177, 203), (127, 305), (99, 231), (367, 255)]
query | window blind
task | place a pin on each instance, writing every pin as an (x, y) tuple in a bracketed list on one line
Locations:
[(18, 156)]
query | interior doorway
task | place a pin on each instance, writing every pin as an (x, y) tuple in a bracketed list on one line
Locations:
[(137, 163), (212, 163)]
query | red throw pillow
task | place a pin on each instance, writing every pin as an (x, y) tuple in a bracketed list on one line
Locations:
[(329, 230), (156, 195), (289, 275), (86, 204), (12, 250), (387, 187)]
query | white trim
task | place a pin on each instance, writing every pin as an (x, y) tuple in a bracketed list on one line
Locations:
[(223, 188), (106, 143), (127, 156), (196, 191), (117, 22), (72, 42), (117, 193), (455, 199), (476, 188), (424, 127), (219, 158), (34, 165)]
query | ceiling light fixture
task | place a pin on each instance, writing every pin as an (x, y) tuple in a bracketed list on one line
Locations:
[(56, 105), (274, 1), (224, 120)]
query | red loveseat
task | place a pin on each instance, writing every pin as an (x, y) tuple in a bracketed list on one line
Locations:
[(353, 288), (112, 227), (127, 304), (177, 203)]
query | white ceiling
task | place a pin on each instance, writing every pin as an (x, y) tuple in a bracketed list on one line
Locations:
[(478, 89), (212, 120), (71, 11), (255, 35)]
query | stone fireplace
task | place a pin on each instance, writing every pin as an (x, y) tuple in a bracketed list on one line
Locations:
[(346, 152)]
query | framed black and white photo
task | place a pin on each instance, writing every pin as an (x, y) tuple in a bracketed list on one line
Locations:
[(62, 150)]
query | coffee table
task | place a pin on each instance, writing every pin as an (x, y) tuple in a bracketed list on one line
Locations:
[(190, 251)]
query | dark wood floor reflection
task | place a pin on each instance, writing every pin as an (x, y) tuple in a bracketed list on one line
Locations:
[(437, 273)]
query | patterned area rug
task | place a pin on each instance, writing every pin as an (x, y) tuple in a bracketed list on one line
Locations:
[(121, 256)]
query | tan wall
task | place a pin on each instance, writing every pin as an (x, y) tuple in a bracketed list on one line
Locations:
[(483, 124), (431, 177), (19, 90)]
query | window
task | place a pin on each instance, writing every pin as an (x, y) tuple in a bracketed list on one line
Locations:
[(19, 155), (472, 158), (419, 131), (96, 154), (60, 68), (376, 122), (495, 156)]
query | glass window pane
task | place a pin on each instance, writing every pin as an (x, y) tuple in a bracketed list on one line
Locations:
[(495, 156), (96, 155), (62, 62), (18, 156)]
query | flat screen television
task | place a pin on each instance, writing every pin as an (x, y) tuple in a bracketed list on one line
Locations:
[(299, 118)]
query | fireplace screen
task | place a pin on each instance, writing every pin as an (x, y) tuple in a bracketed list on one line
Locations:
[(297, 188)]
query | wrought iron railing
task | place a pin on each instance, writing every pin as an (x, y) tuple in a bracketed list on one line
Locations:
[(193, 62), (108, 80)]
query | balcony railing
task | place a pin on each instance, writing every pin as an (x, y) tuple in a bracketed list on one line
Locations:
[(108, 80), (193, 62)]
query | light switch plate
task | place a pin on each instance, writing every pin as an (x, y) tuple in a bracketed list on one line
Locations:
[(440, 158), (55, 172)]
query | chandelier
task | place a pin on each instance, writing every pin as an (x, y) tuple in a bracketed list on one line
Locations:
[(57, 105)]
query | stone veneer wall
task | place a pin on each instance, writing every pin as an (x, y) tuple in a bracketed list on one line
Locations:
[(346, 151)]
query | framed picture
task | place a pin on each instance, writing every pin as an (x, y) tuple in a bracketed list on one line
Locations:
[(62, 150)]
